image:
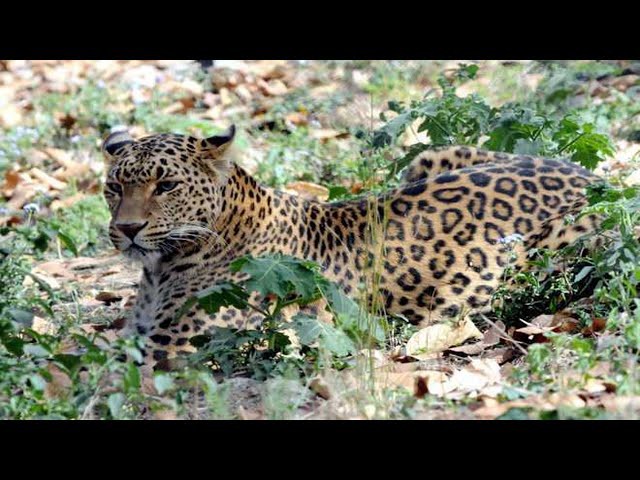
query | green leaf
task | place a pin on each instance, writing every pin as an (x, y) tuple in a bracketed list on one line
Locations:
[(466, 72), (199, 341), (70, 362), (38, 382), (514, 414), (23, 317), (339, 302), (311, 329), (588, 148), (223, 295), (131, 378), (392, 130), (115, 403), (35, 350), (583, 273), (163, 382), (401, 163), (527, 147), (41, 242), (214, 298), (512, 124), (279, 274), (134, 353), (350, 316), (581, 345), (586, 158), (68, 243), (13, 344), (43, 285), (602, 192), (337, 191)]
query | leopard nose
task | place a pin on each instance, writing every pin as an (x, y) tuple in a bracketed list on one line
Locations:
[(131, 229)]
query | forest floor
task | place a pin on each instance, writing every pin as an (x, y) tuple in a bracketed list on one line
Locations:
[(302, 128)]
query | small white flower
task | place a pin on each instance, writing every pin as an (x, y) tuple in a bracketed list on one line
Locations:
[(137, 96), (31, 208), (513, 238)]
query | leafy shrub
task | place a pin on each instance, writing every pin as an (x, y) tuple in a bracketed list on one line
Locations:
[(450, 119), (282, 281)]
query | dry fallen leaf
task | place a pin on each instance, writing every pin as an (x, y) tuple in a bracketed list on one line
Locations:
[(320, 387), (108, 337), (601, 369), (534, 330), (436, 382), (244, 414), (244, 93), (564, 321), (493, 335), (487, 367), (60, 384), (566, 400), (440, 384), (67, 202), (326, 133), (62, 157), (43, 326), (110, 297), (297, 118), (74, 170), (10, 116), (440, 337), (11, 180), (165, 414), (55, 268), (308, 190), (66, 120), (493, 409), (481, 376), (594, 386), (531, 334), (501, 355), (274, 88), (597, 325), (628, 405), (542, 321), (471, 349), (21, 196), (48, 180)]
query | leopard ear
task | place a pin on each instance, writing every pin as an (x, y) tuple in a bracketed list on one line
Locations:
[(114, 141), (214, 150), (218, 144)]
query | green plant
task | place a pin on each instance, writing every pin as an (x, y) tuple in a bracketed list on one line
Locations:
[(282, 281), (513, 128)]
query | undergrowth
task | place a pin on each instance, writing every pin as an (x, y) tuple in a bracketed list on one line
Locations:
[(72, 374)]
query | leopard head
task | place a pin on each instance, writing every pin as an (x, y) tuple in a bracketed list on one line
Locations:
[(164, 190)]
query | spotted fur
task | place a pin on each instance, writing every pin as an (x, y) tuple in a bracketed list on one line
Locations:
[(440, 240)]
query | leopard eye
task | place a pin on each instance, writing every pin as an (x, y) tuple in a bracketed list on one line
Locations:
[(163, 187), (115, 187)]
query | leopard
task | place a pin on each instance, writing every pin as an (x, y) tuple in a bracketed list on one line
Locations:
[(441, 240)]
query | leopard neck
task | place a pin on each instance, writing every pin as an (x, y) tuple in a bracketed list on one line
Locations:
[(255, 219), (246, 209)]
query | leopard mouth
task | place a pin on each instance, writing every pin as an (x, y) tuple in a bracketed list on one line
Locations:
[(136, 250)]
